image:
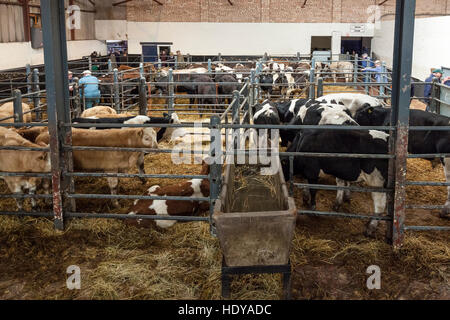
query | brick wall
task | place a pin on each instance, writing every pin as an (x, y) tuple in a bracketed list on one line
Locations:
[(277, 11)]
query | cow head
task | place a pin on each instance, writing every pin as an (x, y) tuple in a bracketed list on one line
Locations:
[(148, 136), (370, 116), (41, 160)]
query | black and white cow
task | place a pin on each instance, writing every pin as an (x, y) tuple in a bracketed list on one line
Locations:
[(352, 101), (371, 171), (419, 142), (266, 113), (313, 112)]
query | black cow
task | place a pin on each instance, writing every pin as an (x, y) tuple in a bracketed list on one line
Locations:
[(372, 171), (266, 84), (206, 89), (227, 83), (419, 142)]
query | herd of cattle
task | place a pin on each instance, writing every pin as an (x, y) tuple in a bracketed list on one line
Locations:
[(344, 109), (213, 90), (349, 109)]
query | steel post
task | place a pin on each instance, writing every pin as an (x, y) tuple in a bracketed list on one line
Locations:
[(76, 98), (109, 66), (90, 63), (252, 88), (236, 118), (209, 66), (141, 70), (312, 87), (29, 80), (319, 87), (36, 98), (215, 173), (142, 97), (383, 78), (17, 105), (170, 105), (57, 84), (116, 91), (435, 95), (401, 94)]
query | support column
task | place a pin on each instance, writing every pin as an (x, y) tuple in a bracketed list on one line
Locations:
[(401, 92), (57, 86), (335, 45)]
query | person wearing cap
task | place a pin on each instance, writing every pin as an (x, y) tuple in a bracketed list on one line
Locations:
[(89, 89), (365, 63), (436, 73)]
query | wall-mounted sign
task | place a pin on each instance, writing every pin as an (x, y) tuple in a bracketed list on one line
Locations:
[(357, 28)]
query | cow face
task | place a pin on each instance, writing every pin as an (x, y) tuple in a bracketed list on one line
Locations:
[(148, 136), (41, 161), (370, 116)]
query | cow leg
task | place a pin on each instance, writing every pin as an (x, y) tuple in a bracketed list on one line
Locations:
[(379, 203), (32, 191), (306, 197), (113, 183), (19, 201), (446, 210), (339, 195), (140, 164), (46, 188), (347, 197), (313, 193)]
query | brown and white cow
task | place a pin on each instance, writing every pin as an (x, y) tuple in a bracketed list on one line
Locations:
[(21, 161), (98, 111), (108, 161), (195, 188), (344, 67), (7, 110)]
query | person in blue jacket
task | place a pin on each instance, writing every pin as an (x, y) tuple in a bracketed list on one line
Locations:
[(436, 73), (89, 88), (377, 70)]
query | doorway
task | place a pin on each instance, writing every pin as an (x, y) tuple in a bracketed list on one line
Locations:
[(320, 44)]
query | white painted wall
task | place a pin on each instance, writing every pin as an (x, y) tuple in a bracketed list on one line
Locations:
[(18, 54), (431, 44), (200, 38)]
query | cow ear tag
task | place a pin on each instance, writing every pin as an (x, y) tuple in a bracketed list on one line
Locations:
[(369, 111)]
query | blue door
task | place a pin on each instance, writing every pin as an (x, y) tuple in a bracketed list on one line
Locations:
[(150, 53)]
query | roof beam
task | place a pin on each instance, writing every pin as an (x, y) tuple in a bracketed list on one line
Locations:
[(120, 2), (231, 3), (304, 3)]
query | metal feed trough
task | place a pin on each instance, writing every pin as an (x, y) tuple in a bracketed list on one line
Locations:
[(255, 220)]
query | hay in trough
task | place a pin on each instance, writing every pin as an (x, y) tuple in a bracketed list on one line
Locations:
[(253, 191)]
